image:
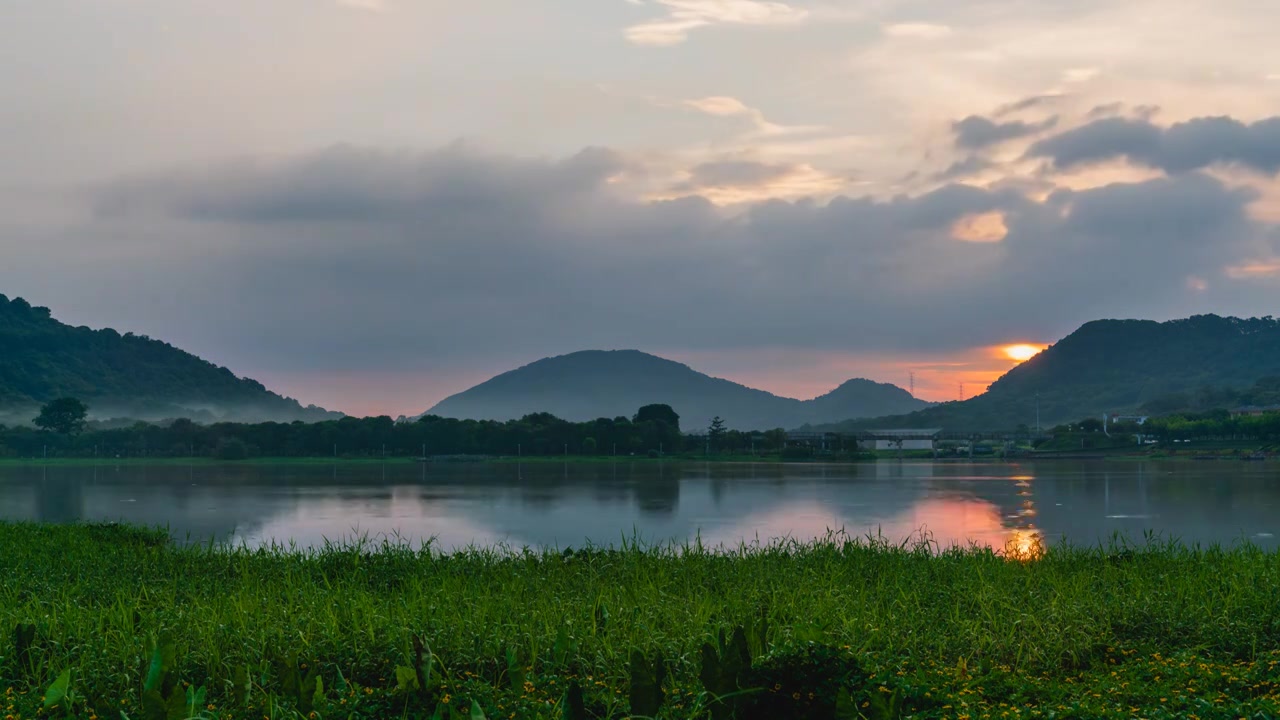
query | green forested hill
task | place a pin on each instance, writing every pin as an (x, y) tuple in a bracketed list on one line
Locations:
[(1117, 366), (122, 375)]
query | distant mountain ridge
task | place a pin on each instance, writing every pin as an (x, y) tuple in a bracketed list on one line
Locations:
[(591, 384), (122, 375), (1112, 366)]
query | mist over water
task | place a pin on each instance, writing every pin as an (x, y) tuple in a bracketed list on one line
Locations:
[(555, 505)]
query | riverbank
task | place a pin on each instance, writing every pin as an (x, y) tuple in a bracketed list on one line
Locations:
[(830, 629), (1177, 455), (453, 459), (187, 461)]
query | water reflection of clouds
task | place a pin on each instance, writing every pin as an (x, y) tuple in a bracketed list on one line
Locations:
[(403, 517), (17, 504), (998, 504), (948, 522)]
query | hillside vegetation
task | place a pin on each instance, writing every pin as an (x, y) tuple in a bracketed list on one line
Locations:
[(121, 375), (1117, 366)]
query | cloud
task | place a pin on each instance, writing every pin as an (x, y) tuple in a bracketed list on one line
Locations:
[(735, 181), (372, 5), (737, 172), (1183, 147), (1026, 103), (1080, 75), (438, 260), (1105, 110), (1253, 270), (917, 30), (345, 184), (976, 132), (684, 16), (967, 167), (721, 105), (1100, 140), (988, 227), (725, 106)]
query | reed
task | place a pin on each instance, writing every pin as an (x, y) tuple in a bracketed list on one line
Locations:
[(110, 621)]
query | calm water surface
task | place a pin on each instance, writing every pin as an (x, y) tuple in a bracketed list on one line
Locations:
[(568, 505)]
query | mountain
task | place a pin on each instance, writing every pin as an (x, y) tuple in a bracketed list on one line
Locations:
[(596, 383), (122, 375), (1115, 366)]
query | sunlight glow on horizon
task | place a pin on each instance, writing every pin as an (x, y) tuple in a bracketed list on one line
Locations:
[(1021, 352)]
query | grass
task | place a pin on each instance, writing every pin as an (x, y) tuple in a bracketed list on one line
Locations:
[(111, 622)]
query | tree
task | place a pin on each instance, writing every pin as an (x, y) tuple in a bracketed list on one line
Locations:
[(231, 449), (777, 439), (716, 432), (1090, 425), (658, 413), (65, 416)]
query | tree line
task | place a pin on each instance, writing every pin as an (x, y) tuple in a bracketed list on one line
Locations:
[(62, 431), (1217, 424), (1214, 425)]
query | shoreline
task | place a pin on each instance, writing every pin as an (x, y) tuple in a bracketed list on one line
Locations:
[(1184, 456)]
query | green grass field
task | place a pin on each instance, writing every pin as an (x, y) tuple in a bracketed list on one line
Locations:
[(111, 622)]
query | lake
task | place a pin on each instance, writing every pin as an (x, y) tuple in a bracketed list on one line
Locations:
[(560, 505)]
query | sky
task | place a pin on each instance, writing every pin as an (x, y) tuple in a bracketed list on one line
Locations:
[(372, 204)]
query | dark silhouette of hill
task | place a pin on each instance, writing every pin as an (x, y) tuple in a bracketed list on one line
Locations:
[(1114, 366), (596, 383), (122, 375)]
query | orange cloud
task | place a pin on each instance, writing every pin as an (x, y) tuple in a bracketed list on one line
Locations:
[(1256, 269), (980, 227)]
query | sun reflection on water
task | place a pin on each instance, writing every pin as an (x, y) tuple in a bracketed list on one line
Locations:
[(1025, 541)]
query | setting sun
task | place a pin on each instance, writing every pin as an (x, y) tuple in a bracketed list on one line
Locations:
[(1021, 353)]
